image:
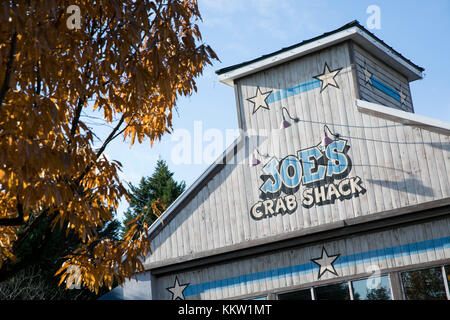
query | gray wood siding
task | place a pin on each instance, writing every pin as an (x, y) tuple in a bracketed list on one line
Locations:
[(280, 271), (399, 165), (385, 75)]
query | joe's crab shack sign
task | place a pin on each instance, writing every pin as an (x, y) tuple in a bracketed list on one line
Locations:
[(322, 170)]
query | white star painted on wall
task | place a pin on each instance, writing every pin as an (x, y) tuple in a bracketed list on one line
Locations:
[(325, 263), (327, 77), (177, 289), (259, 100)]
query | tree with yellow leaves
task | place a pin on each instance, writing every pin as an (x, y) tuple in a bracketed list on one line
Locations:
[(127, 60)]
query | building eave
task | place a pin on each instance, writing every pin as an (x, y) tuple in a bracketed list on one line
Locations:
[(352, 31), (363, 224), (403, 117)]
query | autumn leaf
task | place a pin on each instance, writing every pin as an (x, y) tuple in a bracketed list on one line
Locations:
[(130, 62)]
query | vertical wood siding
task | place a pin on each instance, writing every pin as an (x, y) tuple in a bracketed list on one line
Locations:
[(384, 75), (405, 246), (399, 165)]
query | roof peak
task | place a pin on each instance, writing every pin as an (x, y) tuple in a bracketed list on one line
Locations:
[(352, 24)]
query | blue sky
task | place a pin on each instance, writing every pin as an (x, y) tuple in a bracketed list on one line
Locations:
[(240, 30)]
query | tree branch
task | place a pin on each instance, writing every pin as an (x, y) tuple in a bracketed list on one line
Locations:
[(82, 100), (7, 270), (111, 137), (76, 117), (122, 131), (9, 65), (17, 221), (38, 78), (29, 229)]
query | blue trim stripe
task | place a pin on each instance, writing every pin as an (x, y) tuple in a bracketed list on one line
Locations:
[(306, 268), (293, 91), (385, 88), (314, 84)]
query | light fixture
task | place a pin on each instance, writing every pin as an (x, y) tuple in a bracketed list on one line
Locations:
[(254, 161), (284, 123), (326, 140)]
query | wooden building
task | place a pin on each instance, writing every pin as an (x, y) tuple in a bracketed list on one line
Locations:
[(335, 189)]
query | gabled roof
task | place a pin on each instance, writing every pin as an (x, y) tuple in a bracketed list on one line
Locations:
[(351, 31)]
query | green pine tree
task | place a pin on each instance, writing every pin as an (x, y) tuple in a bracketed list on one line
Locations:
[(37, 281), (159, 186)]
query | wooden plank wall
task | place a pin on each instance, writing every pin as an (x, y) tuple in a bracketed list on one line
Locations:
[(289, 269), (399, 165), (386, 75)]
